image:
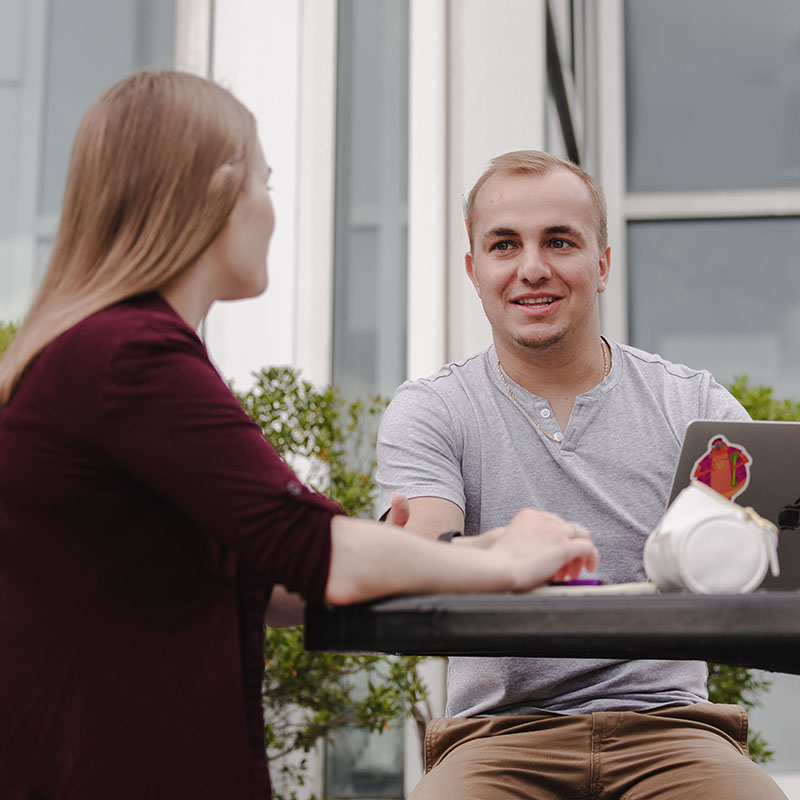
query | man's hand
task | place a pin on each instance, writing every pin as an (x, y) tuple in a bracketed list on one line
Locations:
[(399, 512)]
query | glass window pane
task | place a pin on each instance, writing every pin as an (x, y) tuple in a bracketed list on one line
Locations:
[(53, 66), (369, 325), (359, 764), (713, 94), (92, 44), (723, 295), (776, 720)]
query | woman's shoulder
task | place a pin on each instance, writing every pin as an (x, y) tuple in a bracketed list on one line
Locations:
[(127, 338), (146, 320), (138, 314)]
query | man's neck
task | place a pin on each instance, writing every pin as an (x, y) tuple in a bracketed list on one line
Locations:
[(557, 373)]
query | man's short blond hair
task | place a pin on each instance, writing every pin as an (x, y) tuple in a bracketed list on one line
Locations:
[(536, 162)]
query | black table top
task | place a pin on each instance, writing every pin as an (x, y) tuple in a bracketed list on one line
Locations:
[(760, 630)]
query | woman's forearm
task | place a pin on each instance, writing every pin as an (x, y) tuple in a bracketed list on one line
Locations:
[(372, 560)]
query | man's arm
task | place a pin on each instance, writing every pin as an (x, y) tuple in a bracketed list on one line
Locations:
[(431, 516), (419, 454)]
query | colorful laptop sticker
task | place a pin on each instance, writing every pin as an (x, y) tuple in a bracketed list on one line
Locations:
[(725, 467)]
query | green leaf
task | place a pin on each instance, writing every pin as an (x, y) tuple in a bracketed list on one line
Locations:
[(7, 331)]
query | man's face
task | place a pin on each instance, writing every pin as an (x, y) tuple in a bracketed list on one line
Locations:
[(536, 262)]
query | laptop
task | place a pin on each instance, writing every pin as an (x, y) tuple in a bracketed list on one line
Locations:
[(754, 464)]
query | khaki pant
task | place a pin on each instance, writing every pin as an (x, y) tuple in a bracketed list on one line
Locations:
[(693, 752)]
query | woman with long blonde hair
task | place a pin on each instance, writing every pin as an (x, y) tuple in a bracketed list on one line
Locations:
[(145, 524)]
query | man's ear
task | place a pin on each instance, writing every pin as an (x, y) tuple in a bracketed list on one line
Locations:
[(468, 263), (604, 265)]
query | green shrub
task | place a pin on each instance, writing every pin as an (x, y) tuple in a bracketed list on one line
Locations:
[(727, 684), (760, 404)]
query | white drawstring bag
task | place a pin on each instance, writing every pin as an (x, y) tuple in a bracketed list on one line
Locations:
[(707, 544)]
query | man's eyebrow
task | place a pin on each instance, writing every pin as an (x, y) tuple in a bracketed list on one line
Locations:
[(499, 233), (564, 229)]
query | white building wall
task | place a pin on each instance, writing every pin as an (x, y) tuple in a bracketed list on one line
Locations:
[(497, 93), (316, 155), (427, 186), (611, 161), (279, 59), (255, 55)]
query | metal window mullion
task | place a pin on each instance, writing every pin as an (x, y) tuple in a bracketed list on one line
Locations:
[(392, 223), (316, 171), (608, 34), (427, 310), (712, 205), (586, 71), (193, 37), (563, 91)]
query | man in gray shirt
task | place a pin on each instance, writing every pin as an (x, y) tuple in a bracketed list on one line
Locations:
[(556, 417)]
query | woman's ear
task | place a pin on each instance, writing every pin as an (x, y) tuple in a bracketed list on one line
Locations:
[(220, 179)]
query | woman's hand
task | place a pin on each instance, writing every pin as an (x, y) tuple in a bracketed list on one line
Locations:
[(541, 522), (540, 546)]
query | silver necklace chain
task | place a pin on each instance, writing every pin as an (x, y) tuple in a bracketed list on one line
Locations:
[(606, 367)]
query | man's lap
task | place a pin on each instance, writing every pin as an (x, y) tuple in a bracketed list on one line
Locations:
[(680, 752)]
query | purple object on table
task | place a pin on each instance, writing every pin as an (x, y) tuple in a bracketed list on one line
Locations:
[(578, 582)]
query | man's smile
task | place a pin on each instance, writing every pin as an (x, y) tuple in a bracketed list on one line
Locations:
[(538, 303), (535, 301)]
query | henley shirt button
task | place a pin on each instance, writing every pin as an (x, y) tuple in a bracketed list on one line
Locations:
[(545, 412), (294, 488), (558, 436)]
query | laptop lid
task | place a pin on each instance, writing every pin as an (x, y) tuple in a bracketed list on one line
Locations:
[(757, 464)]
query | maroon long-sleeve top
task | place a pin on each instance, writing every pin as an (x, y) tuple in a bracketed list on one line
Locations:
[(143, 523)]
